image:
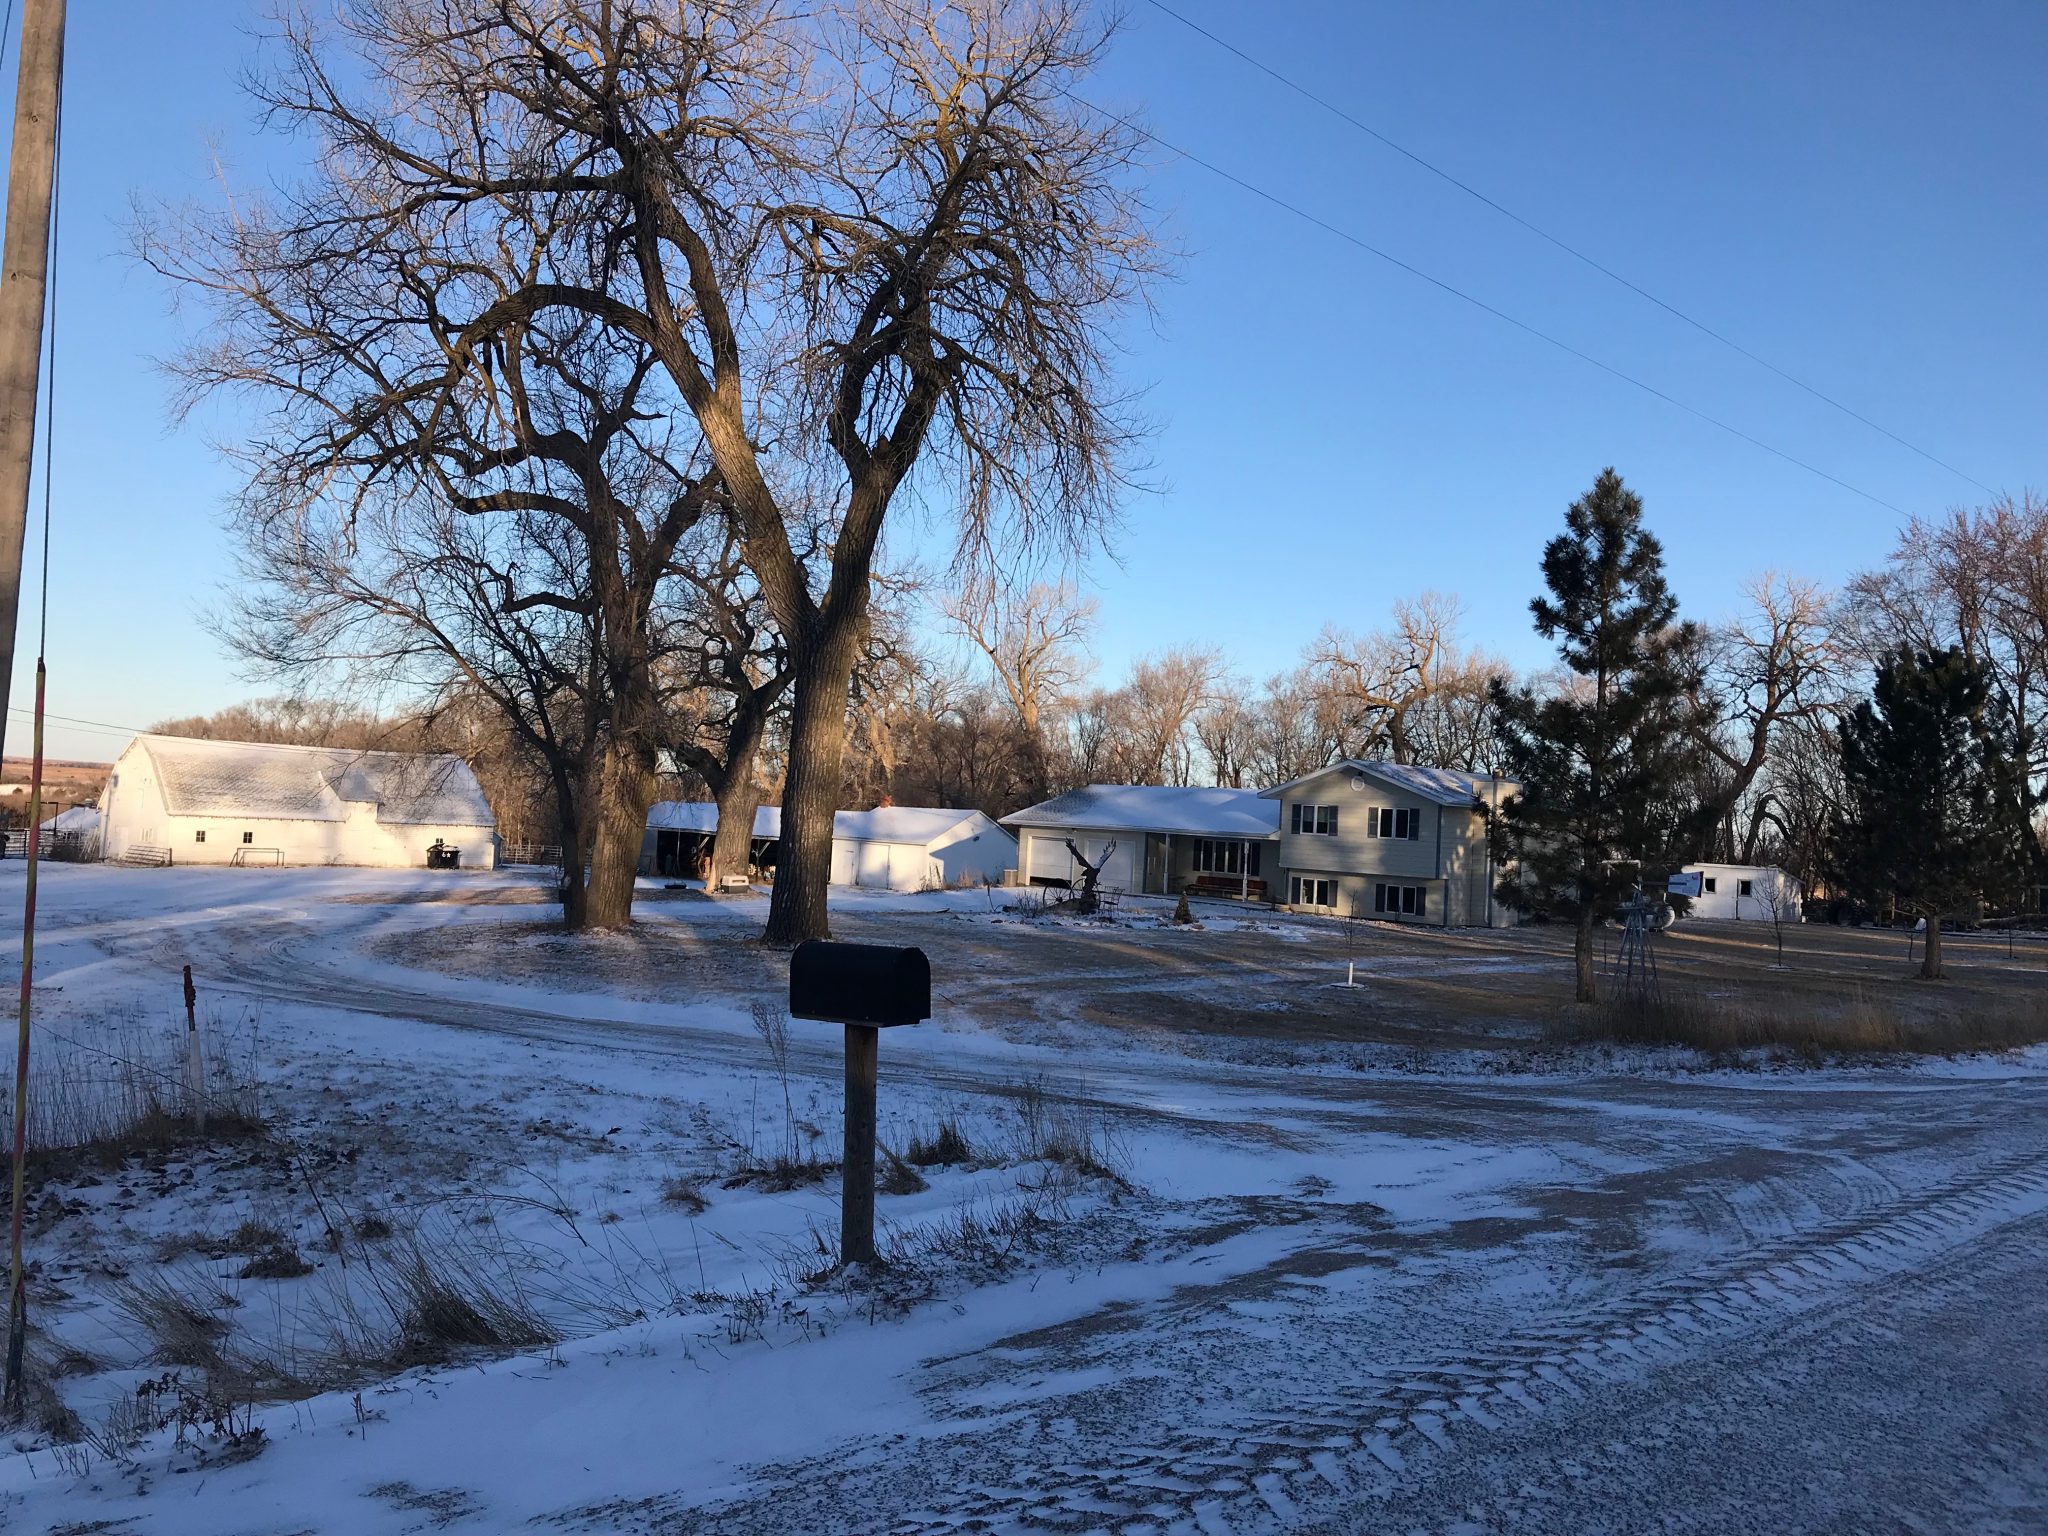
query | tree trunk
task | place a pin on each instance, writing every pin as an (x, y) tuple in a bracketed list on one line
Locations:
[(1582, 954), (569, 827), (625, 785), (810, 795), (575, 895), (732, 846), (1930, 953)]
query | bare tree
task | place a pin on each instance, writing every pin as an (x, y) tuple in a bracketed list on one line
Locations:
[(1228, 730), (1379, 681), (729, 658), (874, 250), (1300, 729), (1035, 644), (1973, 579), (1165, 696), (1778, 663)]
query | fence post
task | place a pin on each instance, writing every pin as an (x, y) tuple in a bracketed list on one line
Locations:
[(195, 1062)]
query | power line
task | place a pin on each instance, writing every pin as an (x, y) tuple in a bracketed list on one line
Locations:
[(1570, 250), (1478, 303), (102, 725)]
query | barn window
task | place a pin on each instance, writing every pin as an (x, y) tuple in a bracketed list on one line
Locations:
[(199, 836), (1742, 887), (1707, 885), (248, 837)]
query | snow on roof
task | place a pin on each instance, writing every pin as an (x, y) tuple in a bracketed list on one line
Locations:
[(916, 824), (921, 824), (702, 816), (277, 783), (80, 818), (1156, 808), (1443, 786)]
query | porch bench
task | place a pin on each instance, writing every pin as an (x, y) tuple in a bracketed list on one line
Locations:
[(1228, 885)]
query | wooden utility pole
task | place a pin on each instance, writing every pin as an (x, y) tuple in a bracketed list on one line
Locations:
[(24, 275)]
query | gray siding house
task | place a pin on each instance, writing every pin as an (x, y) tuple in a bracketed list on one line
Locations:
[(1391, 841)]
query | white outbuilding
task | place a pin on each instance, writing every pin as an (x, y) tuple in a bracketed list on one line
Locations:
[(184, 800), (1748, 893), (893, 847)]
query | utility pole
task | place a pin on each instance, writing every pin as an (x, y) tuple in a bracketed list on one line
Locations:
[(24, 275)]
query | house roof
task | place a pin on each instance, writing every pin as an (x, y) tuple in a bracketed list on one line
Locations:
[(1442, 786), (915, 824), (1156, 808), (264, 782), (702, 816)]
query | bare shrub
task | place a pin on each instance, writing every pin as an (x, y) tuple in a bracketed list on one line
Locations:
[(946, 1146), (899, 1177), (1066, 1133), (685, 1194)]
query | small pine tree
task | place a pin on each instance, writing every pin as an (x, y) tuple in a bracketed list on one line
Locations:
[(1937, 804), (1599, 760)]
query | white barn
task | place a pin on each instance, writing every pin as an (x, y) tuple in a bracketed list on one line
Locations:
[(183, 800), (1747, 893), (893, 847)]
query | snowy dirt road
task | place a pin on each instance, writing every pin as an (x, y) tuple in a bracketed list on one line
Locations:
[(1343, 1299)]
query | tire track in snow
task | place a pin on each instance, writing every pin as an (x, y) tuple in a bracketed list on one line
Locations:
[(1346, 1444)]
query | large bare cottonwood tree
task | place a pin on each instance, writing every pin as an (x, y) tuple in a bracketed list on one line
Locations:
[(874, 248)]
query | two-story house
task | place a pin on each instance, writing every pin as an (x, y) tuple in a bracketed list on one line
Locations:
[(1391, 840)]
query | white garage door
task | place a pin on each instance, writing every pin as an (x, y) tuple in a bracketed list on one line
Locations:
[(874, 864), (843, 861), (1120, 871), (908, 863)]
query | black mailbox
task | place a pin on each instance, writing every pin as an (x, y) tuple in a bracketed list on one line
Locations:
[(870, 984)]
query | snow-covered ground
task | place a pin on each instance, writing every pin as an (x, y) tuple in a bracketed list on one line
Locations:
[(1292, 1285)]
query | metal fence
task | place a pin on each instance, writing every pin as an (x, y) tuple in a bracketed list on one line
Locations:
[(69, 847), (530, 853)]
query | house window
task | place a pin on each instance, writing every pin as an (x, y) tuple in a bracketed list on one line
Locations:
[(248, 837), (1319, 820), (1222, 856), (1308, 891), (1742, 888), (1706, 885), (199, 836), (1393, 821), (1400, 900)]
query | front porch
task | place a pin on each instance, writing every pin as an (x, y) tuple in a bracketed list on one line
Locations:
[(1234, 867)]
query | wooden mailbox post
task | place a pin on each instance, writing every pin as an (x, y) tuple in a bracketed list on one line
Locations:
[(868, 988)]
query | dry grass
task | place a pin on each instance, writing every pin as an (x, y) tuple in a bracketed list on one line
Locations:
[(1857, 1022), (108, 1089), (945, 1147)]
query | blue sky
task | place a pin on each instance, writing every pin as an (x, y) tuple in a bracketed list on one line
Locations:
[(1857, 192)]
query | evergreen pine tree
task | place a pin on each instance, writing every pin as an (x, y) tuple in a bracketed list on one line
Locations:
[(1936, 819), (1599, 760)]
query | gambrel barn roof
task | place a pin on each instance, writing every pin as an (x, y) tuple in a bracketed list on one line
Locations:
[(275, 783)]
